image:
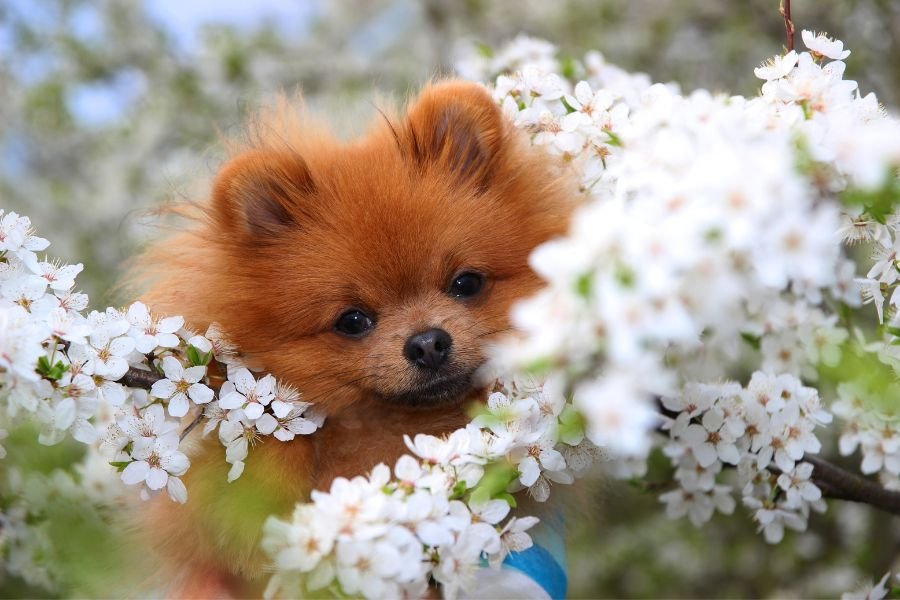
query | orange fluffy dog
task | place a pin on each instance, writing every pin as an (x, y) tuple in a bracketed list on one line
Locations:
[(367, 274)]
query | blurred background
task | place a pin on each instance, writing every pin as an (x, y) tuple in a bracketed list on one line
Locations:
[(109, 108)]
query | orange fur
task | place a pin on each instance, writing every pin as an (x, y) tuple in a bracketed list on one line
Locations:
[(301, 227)]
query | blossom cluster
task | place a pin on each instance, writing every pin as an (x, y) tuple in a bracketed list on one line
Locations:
[(708, 245), (696, 222), (124, 380), (763, 431), (443, 513)]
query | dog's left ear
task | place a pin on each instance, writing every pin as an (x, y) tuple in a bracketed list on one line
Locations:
[(456, 126)]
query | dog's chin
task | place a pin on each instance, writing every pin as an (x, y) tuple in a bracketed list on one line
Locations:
[(440, 391)]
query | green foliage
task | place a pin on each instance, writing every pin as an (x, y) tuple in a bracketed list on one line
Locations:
[(494, 484), (880, 202), (198, 358), (26, 454), (53, 372), (571, 423), (87, 550), (583, 285), (874, 384), (754, 341)]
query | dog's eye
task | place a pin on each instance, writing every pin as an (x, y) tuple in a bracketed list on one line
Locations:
[(466, 285), (354, 323)]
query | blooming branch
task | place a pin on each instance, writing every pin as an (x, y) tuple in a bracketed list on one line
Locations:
[(122, 380)]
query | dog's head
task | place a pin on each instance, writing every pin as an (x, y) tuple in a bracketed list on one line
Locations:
[(379, 268)]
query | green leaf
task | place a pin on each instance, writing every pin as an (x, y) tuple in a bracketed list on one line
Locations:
[(120, 464), (193, 356), (57, 371), (571, 424), (510, 499), (583, 285), (878, 203), (569, 109), (753, 340), (807, 109), (484, 50), (494, 482), (567, 67), (52, 372), (614, 140), (625, 276), (713, 235), (458, 491)]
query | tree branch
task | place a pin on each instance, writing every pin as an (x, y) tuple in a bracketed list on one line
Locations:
[(197, 420), (139, 378), (841, 484)]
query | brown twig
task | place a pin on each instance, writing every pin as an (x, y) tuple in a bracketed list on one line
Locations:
[(139, 378), (785, 10), (197, 420), (841, 484)]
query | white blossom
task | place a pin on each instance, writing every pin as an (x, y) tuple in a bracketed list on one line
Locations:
[(181, 386), (823, 46)]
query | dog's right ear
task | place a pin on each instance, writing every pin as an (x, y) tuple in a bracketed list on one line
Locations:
[(263, 193), (456, 125)]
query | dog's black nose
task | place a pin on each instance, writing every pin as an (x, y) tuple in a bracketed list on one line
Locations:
[(429, 349)]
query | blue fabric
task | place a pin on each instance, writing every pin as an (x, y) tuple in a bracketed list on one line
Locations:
[(545, 561), (537, 563)]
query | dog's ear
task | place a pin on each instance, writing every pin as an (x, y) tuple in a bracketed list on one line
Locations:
[(263, 193), (456, 125)]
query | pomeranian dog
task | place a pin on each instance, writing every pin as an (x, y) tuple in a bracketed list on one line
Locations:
[(369, 275)]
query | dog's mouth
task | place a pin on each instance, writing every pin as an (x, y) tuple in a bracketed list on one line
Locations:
[(443, 389)]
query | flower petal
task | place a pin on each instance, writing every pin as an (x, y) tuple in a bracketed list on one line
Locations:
[(254, 410), (194, 374), (529, 471), (136, 472), (164, 388), (176, 489), (266, 424), (157, 478), (232, 400), (199, 393), (179, 405), (236, 470), (172, 368), (170, 324), (175, 463)]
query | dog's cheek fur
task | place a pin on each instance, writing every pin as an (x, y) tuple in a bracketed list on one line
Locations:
[(299, 228)]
